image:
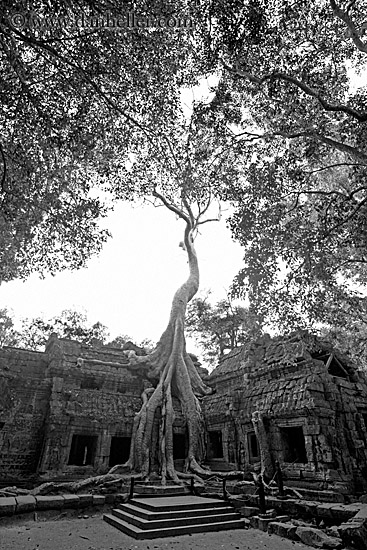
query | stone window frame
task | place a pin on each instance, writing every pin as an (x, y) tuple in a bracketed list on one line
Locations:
[(115, 436), (84, 433), (327, 358), (298, 422), (218, 430), (251, 457)]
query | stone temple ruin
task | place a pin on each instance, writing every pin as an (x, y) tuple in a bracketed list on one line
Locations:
[(68, 412)]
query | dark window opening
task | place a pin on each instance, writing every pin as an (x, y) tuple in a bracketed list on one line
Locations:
[(215, 445), (253, 446), (179, 446), (364, 416), (293, 444), (334, 366), (120, 450), (83, 450), (89, 383), (2, 424)]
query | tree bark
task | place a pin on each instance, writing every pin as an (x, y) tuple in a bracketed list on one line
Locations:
[(262, 438), (172, 373)]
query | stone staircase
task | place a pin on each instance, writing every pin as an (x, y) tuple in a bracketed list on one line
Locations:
[(168, 516), (150, 489)]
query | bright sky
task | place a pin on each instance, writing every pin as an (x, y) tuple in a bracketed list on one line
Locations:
[(129, 287)]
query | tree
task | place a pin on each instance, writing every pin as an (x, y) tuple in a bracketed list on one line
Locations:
[(301, 204), (184, 177), (119, 341), (69, 324), (84, 118), (8, 335), (221, 327), (348, 333)]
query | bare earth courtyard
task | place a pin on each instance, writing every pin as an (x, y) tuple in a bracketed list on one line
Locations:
[(90, 532)]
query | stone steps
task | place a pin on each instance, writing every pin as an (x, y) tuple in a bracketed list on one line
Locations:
[(179, 513), (148, 518), (156, 490)]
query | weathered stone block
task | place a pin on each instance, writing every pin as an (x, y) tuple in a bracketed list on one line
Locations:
[(263, 523), (353, 534), (325, 510), (25, 503), (99, 500), (49, 502), (7, 506), (85, 501), (341, 512), (290, 506), (362, 514), (287, 530), (110, 499), (282, 519), (248, 511), (317, 539), (254, 522), (71, 501)]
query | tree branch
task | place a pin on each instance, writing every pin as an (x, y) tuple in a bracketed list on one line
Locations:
[(39, 44), (353, 33), (349, 149), (346, 220), (361, 117), (336, 165), (172, 207)]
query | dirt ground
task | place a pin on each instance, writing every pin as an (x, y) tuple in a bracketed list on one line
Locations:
[(87, 531)]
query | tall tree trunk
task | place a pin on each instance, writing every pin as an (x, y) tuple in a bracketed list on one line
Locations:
[(267, 469), (172, 373)]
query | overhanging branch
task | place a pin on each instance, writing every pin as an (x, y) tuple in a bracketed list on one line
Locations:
[(353, 33), (172, 207), (308, 90)]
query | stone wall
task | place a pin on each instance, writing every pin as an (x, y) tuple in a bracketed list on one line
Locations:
[(24, 400), (93, 399), (68, 412), (314, 422)]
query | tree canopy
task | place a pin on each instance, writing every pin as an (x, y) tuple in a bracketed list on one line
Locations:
[(89, 113), (76, 103), (221, 327), (301, 205)]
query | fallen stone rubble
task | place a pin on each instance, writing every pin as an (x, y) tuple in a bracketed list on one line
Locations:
[(329, 525)]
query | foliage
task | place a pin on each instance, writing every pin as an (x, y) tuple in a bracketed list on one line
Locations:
[(221, 327), (283, 137), (348, 333), (119, 341), (8, 335), (301, 203), (69, 324), (75, 104)]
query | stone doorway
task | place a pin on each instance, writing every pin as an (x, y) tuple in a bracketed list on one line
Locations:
[(215, 445), (179, 446), (82, 450), (120, 450)]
